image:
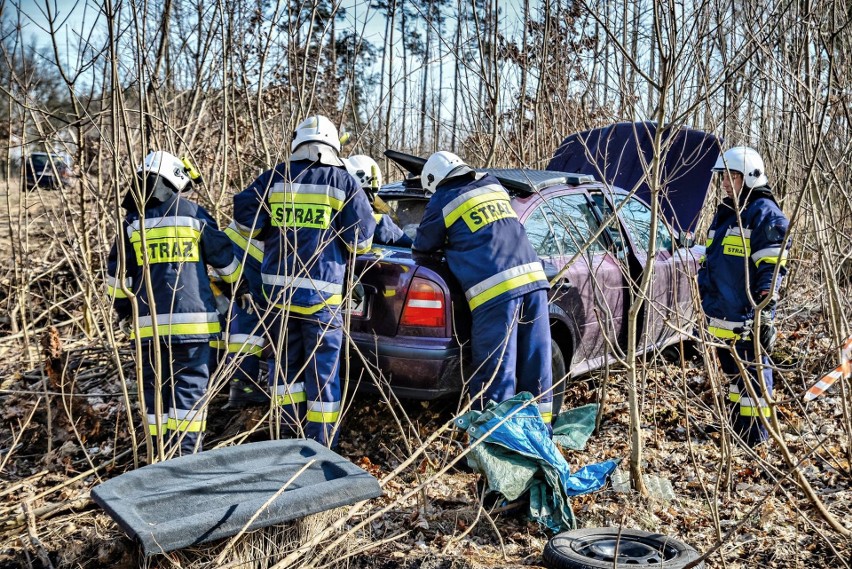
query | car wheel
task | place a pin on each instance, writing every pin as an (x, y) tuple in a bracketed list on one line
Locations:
[(611, 547), (558, 368)]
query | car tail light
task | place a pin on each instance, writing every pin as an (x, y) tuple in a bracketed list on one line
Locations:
[(425, 305)]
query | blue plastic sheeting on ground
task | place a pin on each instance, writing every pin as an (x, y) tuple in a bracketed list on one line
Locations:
[(573, 427), (516, 455), (206, 496)]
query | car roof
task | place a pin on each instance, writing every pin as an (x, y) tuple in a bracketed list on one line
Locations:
[(517, 181), (54, 154)]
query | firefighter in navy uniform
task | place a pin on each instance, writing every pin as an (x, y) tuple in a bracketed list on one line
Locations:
[(246, 338), (168, 241), (312, 216), (470, 218), (745, 244), (367, 172)]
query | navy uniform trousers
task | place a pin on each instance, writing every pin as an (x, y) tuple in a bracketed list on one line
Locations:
[(305, 383), (511, 352), (184, 375), (745, 410)]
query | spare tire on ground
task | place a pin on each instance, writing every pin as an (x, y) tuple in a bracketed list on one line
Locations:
[(612, 547)]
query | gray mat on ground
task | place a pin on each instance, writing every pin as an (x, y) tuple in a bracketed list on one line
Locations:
[(211, 495)]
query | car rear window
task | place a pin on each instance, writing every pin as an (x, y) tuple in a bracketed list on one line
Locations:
[(406, 212)]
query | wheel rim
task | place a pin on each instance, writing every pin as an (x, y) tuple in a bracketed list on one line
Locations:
[(626, 550)]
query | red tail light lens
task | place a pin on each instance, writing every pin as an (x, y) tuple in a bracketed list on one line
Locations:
[(425, 305)]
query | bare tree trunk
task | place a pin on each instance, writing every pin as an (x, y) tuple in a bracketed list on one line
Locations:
[(427, 54)]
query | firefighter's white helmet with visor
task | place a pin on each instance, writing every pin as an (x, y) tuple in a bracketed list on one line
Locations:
[(316, 128), (168, 166), (365, 170), (747, 162), (440, 166)]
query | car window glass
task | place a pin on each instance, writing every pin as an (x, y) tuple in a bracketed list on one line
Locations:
[(406, 213), (637, 216), (562, 225), (613, 225), (39, 161)]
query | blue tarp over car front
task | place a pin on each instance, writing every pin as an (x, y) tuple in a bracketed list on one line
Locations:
[(621, 153)]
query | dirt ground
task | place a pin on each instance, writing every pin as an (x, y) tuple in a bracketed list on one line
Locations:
[(64, 429)]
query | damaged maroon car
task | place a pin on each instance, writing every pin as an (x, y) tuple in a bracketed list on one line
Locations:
[(412, 326)]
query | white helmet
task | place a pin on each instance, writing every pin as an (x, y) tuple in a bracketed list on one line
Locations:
[(747, 162), (168, 166), (316, 128), (438, 167), (365, 170)]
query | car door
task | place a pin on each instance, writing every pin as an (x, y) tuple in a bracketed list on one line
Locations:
[(589, 297), (669, 295)]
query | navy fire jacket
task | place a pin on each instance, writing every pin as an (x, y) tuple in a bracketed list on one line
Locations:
[(310, 219), (485, 245), (741, 257), (180, 240)]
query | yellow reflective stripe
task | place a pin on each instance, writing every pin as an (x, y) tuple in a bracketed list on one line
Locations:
[(290, 394), (113, 292), (471, 203), (187, 426), (247, 231), (248, 349), (195, 328), (506, 286), (736, 246), (771, 255), (243, 243), (291, 398), (308, 199), (733, 393), (723, 333), (753, 411), (378, 217), (152, 425), (232, 272), (334, 300), (323, 416), (218, 344), (323, 411), (547, 418), (362, 247), (167, 244)]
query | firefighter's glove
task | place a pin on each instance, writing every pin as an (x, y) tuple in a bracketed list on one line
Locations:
[(246, 303), (242, 297), (767, 334), (125, 326), (357, 294)]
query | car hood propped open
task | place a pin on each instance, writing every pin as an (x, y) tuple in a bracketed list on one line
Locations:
[(621, 153)]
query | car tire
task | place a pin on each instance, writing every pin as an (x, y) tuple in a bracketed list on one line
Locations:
[(558, 368), (612, 547)]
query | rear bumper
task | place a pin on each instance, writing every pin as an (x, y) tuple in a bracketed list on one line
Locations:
[(414, 368)]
